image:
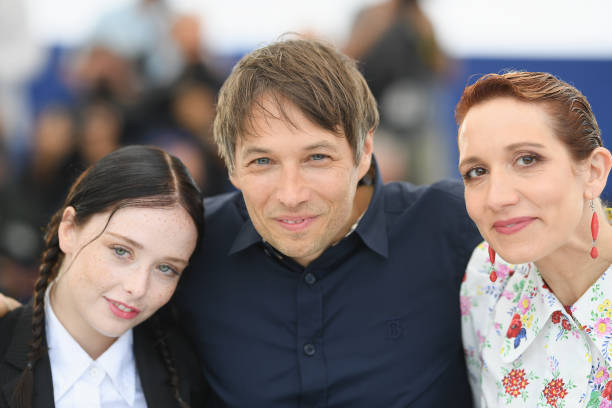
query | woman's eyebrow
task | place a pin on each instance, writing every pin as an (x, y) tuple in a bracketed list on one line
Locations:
[(129, 240)]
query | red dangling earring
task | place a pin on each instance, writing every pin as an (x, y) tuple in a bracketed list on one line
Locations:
[(594, 230), (493, 274)]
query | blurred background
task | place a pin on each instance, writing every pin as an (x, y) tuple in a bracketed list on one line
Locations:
[(79, 79)]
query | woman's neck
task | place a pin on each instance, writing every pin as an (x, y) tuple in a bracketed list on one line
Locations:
[(570, 271)]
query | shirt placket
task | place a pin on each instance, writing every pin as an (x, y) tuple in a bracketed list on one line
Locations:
[(87, 391), (310, 346)]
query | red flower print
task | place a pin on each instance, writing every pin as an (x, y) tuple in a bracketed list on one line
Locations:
[(515, 326), (607, 392), (556, 316), (554, 391), (514, 382), (566, 325)]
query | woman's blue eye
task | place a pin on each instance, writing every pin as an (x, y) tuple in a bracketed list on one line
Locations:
[(318, 156), (120, 251), (167, 269)]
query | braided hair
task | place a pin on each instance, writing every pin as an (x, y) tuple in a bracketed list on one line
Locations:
[(133, 176)]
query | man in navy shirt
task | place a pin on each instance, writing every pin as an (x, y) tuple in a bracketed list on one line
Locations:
[(317, 285)]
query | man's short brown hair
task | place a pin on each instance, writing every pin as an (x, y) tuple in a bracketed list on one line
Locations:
[(324, 84)]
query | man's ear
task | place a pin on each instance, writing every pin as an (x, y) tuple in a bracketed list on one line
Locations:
[(366, 155), (598, 166), (67, 231)]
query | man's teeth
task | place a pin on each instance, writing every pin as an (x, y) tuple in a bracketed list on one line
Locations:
[(293, 221)]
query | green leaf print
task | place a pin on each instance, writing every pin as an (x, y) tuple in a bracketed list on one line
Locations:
[(594, 400)]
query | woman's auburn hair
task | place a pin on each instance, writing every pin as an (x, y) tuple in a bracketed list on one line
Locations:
[(573, 120)]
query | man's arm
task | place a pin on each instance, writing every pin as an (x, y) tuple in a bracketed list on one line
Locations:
[(7, 304)]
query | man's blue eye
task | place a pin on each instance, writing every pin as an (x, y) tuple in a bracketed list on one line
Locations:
[(318, 156), (262, 161)]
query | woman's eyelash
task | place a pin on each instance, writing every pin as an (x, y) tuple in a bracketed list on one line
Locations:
[(120, 251)]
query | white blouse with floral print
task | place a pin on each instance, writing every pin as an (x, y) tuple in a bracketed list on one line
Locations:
[(524, 349)]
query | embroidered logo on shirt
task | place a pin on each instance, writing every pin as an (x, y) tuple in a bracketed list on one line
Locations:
[(395, 330)]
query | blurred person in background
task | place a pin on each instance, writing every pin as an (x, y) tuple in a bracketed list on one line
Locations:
[(100, 130), (20, 58), (180, 116), (395, 44), (141, 31), (32, 195)]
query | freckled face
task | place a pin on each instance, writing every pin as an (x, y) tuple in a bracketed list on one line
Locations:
[(522, 188), (125, 275), (298, 183)]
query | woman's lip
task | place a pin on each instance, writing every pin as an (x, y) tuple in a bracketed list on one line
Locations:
[(114, 308), (512, 225)]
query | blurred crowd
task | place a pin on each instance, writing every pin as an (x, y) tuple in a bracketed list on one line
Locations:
[(144, 76)]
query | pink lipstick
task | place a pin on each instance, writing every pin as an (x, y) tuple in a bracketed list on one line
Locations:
[(512, 225), (122, 310)]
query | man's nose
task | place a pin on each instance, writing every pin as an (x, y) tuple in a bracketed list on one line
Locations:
[(292, 187)]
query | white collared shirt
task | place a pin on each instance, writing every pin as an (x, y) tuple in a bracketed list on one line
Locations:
[(111, 381), (524, 349)]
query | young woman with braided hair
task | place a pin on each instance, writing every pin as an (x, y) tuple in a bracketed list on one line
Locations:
[(114, 255)]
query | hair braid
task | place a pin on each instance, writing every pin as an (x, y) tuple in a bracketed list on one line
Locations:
[(51, 258), (164, 350)]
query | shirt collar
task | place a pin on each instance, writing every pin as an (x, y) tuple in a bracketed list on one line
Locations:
[(526, 304), (529, 297), (372, 228), (69, 361)]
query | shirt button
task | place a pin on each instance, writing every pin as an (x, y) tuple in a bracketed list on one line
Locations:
[(310, 279), (309, 349)]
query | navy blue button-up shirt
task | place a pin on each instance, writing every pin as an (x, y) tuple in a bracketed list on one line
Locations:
[(373, 322)]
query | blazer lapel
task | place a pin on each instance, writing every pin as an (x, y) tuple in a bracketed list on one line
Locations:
[(152, 372), (16, 356)]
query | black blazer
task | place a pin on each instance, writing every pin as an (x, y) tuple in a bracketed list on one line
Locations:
[(16, 333)]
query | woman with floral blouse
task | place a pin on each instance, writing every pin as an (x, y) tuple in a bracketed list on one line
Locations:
[(536, 301)]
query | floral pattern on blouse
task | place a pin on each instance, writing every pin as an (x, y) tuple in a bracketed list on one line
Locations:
[(524, 348)]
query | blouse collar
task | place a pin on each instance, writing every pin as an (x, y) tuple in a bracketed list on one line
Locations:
[(526, 305), (69, 361)]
